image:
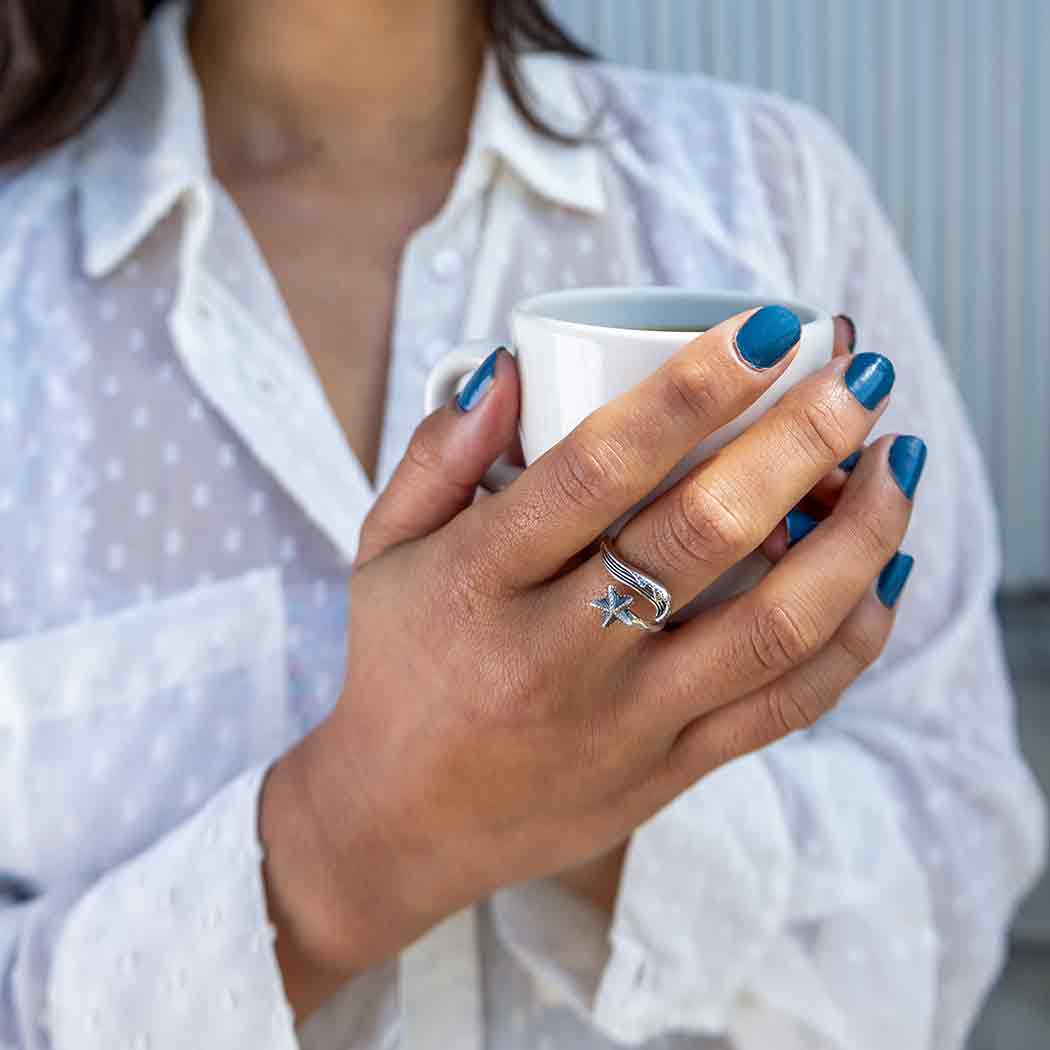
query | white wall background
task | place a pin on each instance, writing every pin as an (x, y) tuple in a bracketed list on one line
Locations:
[(948, 104)]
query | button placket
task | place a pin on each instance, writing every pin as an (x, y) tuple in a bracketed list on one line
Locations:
[(260, 377), (262, 382), (432, 287), (236, 360)]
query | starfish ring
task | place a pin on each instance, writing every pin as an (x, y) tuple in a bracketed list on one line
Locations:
[(617, 606)]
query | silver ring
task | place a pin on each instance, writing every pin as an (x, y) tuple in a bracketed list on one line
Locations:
[(617, 606)]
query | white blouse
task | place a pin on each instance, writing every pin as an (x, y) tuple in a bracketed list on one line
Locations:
[(178, 513)]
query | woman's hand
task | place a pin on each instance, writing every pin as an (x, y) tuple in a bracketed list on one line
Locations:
[(598, 879), (490, 730)]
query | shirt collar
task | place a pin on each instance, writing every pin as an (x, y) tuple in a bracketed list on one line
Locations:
[(564, 173), (148, 150)]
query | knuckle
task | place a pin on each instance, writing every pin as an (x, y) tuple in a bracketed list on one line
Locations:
[(782, 637), (874, 535), (705, 527), (823, 434), (690, 390), (789, 713), (424, 450), (474, 572), (587, 470), (862, 641)]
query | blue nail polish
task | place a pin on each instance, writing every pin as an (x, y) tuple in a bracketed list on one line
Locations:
[(478, 384), (893, 578), (799, 525), (907, 458), (850, 462), (869, 378), (767, 336)]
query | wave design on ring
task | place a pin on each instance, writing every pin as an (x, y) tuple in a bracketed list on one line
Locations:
[(617, 606)]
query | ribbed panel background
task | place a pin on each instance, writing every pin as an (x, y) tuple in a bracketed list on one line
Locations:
[(948, 104)]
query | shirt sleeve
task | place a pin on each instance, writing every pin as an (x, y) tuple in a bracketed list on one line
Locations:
[(851, 886), (170, 950)]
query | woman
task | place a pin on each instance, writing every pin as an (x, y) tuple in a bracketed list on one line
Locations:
[(230, 807)]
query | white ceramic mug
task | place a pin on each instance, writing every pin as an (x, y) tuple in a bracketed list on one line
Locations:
[(580, 348)]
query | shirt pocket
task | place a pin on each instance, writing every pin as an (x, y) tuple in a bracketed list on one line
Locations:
[(114, 729)]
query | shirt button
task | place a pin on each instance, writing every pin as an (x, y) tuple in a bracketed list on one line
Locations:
[(265, 384), (258, 379), (447, 265)]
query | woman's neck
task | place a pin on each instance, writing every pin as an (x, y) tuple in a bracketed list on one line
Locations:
[(294, 82)]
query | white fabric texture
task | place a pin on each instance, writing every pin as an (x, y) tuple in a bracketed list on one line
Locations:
[(178, 513)]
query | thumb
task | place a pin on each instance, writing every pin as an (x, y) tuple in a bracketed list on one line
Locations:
[(446, 459)]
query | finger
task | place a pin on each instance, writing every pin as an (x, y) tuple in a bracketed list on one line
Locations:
[(791, 614), (791, 703), (826, 491), (622, 451), (845, 336), (446, 459), (816, 505), (724, 508)]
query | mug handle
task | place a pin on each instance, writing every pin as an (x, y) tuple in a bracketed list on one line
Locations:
[(448, 377)]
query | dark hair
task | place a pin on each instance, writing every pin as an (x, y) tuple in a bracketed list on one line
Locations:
[(61, 60)]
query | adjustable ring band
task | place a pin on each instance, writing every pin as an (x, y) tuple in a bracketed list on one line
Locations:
[(617, 606)]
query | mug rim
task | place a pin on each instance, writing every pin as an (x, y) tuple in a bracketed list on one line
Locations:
[(536, 306)]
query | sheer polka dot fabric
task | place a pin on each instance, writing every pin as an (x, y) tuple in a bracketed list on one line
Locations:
[(178, 514)]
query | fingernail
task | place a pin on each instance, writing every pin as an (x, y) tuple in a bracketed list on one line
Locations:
[(799, 525), (478, 384), (907, 458), (893, 578), (869, 378), (766, 336), (850, 462), (852, 331)]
